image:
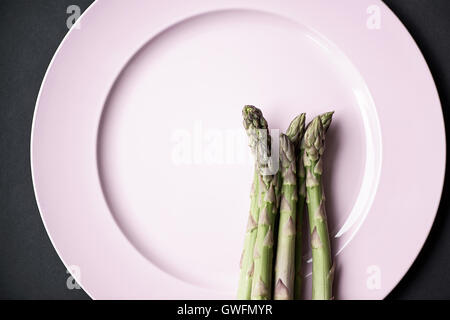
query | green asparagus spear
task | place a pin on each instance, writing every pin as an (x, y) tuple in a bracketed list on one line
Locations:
[(295, 133), (285, 257), (254, 124), (263, 251), (269, 189), (323, 270)]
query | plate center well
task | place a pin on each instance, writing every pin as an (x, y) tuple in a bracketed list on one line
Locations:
[(172, 153)]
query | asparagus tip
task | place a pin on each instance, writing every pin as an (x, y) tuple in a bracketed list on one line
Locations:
[(296, 128), (326, 119)]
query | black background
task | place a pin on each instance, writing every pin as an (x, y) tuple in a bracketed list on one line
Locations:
[(30, 32)]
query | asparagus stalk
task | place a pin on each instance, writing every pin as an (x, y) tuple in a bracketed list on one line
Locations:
[(323, 270), (285, 257), (269, 189), (295, 133), (263, 251), (253, 123)]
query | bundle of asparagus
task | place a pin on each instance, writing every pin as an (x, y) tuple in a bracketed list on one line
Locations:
[(278, 199)]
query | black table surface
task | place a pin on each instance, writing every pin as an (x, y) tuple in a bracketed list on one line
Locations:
[(30, 32)]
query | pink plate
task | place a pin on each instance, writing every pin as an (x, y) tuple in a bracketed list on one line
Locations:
[(140, 164)]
